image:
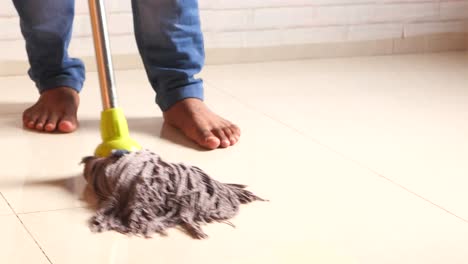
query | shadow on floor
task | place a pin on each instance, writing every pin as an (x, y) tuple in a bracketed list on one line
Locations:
[(11, 113), (75, 185), (152, 126), (8, 109)]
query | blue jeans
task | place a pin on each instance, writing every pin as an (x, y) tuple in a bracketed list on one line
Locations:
[(168, 35)]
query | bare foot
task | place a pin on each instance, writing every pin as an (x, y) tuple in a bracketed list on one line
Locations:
[(201, 125), (54, 111)]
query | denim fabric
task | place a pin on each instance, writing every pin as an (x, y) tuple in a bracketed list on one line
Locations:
[(168, 35)]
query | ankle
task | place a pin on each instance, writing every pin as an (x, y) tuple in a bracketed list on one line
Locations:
[(60, 89)]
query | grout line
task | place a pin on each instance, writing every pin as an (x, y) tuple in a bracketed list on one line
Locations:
[(25, 228), (342, 155), (51, 210)]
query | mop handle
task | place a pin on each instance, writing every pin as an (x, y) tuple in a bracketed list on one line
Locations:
[(103, 54)]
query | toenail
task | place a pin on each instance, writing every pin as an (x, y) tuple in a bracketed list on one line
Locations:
[(210, 139)]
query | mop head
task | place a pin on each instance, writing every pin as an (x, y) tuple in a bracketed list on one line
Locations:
[(141, 194)]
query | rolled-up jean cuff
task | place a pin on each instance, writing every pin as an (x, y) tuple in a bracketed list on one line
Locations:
[(194, 90), (61, 81)]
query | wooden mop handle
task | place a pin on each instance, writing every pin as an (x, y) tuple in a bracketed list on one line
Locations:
[(97, 13)]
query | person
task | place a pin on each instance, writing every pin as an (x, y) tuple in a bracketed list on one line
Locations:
[(170, 43)]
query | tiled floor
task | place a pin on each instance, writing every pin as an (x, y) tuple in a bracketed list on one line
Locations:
[(363, 159)]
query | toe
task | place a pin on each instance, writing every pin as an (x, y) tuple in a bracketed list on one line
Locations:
[(31, 124), (51, 123), (230, 135), (235, 130), (41, 122), (219, 133), (211, 142), (26, 117), (207, 139), (68, 124), (31, 120)]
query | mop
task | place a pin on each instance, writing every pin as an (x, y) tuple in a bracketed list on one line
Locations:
[(138, 192)]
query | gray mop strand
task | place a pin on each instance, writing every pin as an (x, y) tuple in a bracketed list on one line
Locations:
[(141, 194)]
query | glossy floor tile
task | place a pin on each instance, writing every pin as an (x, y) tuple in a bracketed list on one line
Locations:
[(17, 247), (322, 209), (361, 159), (4, 208), (401, 116), (379, 225)]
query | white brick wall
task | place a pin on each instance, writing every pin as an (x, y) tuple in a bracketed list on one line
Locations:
[(258, 23)]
